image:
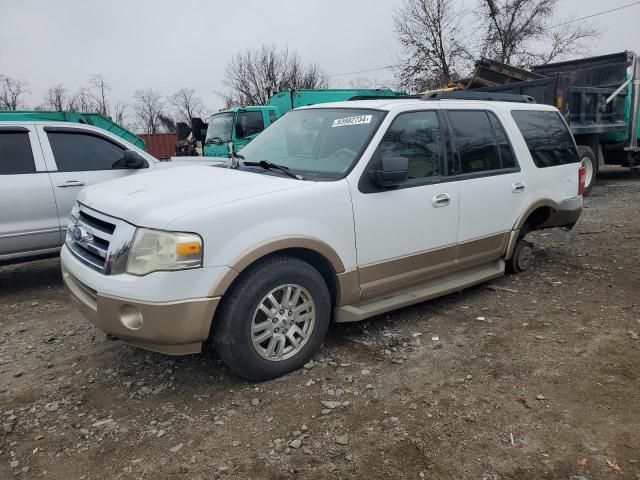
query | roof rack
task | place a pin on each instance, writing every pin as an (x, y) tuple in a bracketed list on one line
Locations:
[(486, 96), (383, 97)]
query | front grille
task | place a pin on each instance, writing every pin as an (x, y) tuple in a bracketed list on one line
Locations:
[(89, 235)]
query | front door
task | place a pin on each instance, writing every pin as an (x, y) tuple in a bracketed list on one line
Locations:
[(28, 215), (248, 125), (76, 159), (408, 234)]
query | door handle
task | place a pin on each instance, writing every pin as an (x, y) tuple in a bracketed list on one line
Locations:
[(71, 183), (440, 200), (518, 187)]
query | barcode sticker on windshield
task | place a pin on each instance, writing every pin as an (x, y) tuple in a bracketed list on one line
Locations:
[(355, 120)]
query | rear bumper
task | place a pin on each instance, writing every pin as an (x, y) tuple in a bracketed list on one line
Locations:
[(173, 328), (566, 215)]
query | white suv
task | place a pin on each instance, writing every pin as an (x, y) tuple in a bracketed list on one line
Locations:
[(340, 211)]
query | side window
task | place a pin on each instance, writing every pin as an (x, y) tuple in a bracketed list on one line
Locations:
[(418, 137), (272, 116), (16, 156), (249, 123), (548, 138), (78, 152), (507, 158), (475, 140)]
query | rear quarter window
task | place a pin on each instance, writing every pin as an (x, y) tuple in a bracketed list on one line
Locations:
[(547, 136)]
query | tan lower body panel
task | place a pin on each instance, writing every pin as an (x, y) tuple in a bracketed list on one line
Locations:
[(173, 328), (384, 277), (436, 287)]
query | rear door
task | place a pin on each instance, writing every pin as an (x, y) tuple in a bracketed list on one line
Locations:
[(492, 184), (28, 216), (77, 158)]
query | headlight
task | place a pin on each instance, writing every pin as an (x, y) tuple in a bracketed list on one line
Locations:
[(154, 250)]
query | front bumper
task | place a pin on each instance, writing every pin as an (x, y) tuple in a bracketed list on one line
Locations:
[(175, 328)]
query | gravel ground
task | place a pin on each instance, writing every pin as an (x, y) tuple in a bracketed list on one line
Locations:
[(534, 376)]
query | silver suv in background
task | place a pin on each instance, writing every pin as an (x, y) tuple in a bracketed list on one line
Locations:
[(43, 167)]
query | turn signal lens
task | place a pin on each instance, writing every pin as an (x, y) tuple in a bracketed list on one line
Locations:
[(188, 248)]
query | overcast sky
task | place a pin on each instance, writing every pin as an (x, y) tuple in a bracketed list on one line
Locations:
[(168, 45)]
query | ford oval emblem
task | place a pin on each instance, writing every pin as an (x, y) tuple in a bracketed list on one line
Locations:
[(79, 234), (76, 233)]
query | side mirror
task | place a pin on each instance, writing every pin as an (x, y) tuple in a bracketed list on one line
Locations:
[(393, 172), (230, 150), (133, 160)]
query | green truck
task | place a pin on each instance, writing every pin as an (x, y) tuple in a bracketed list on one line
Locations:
[(241, 125), (94, 119)]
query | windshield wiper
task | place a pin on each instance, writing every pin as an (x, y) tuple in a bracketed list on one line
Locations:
[(214, 140), (268, 166)]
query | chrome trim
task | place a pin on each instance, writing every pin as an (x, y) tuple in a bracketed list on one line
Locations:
[(104, 243), (33, 232)]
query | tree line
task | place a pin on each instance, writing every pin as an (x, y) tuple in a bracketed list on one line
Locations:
[(440, 40)]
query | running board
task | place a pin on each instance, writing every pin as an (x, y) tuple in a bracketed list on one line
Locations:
[(450, 283)]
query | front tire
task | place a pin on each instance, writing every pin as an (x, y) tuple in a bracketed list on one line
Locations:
[(590, 163), (273, 320)]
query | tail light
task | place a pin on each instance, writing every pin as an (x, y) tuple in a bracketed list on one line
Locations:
[(582, 174)]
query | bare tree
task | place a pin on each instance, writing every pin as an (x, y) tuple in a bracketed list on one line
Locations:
[(432, 40), (81, 101), (99, 89), (148, 108), (520, 32), (187, 105), (253, 76), (11, 93), (56, 98), (120, 112)]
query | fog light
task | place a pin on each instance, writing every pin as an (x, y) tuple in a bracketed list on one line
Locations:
[(131, 317)]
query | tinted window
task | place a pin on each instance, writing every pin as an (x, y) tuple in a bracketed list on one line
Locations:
[(16, 156), (249, 123), (272, 116), (507, 158), (547, 137), (475, 140), (416, 136), (77, 152)]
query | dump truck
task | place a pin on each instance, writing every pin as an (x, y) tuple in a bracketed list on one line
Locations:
[(240, 125), (599, 98), (95, 119)]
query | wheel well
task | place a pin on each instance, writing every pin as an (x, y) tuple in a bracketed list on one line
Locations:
[(313, 258), (535, 219)]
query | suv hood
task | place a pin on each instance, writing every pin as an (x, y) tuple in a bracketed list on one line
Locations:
[(155, 199)]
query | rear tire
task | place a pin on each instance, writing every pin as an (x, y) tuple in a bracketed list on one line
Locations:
[(273, 320), (522, 257), (590, 163)]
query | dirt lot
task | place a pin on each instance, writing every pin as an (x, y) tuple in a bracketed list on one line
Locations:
[(540, 381)]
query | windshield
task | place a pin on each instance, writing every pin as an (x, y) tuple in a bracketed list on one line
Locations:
[(319, 142), (219, 130)]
